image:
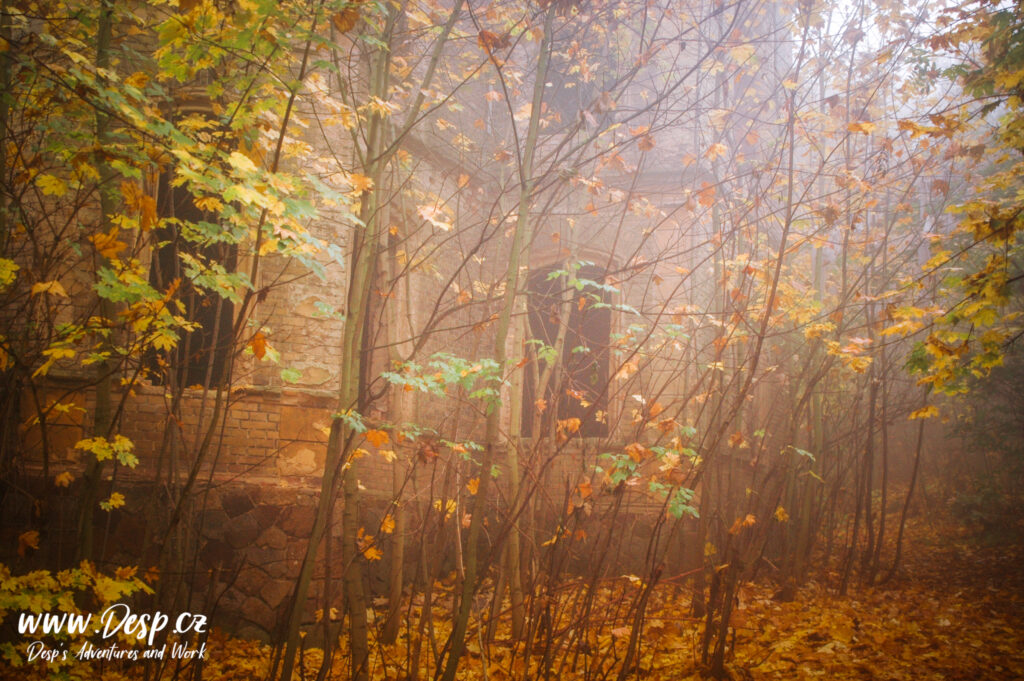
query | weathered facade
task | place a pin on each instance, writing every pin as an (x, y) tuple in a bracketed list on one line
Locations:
[(620, 224)]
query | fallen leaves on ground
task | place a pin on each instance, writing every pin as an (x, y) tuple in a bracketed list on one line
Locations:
[(953, 613)]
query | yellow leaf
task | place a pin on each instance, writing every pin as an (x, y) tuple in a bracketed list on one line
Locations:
[(268, 246), (388, 454), (741, 53), (473, 485), (208, 204), (51, 186), (132, 194), (139, 79), (928, 412), (52, 287), (862, 126), (63, 479), (241, 162), (781, 515), (7, 271), (387, 525), (116, 500), (360, 183)]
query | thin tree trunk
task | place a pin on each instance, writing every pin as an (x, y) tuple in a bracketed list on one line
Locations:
[(520, 240), (103, 410)]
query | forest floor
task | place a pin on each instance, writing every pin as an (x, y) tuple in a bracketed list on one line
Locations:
[(955, 612)]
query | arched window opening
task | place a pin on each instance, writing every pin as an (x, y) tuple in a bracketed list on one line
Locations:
[(202, 355), (568, 333)]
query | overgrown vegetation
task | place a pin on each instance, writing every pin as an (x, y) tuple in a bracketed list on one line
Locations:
[(656, 318)]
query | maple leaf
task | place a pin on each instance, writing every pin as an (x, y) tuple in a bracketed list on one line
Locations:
[(570, 425), (52, 288), (387, 525), (63, 479), (376, 438), (125, 572), (51, 186), (715, 150), (108, 245), (926, 412), (28, 540), (258, 345), (426, 452), (864, 127), (585, 489), (359, 183), (706, 195), (490, 41), (345, 20), (473, 485), (116, 500), (637, 451), (435, 216)]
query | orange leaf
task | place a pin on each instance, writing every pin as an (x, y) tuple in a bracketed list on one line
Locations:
[(489, 42), (152, 575), (28, 540), (585, 489), (376, 437), (259, 345), (636, 451), (861, 126), (737, 440), (345, 20), (715, 150), (706, 195), (569, 425), (360, 183)]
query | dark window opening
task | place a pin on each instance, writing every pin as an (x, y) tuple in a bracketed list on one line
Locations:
[(577, 388), (202, 355)]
